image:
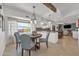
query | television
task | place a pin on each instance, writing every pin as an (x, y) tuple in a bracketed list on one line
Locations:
[(67, 26)]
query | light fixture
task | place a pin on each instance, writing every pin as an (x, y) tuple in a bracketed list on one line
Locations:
[(34, 16)]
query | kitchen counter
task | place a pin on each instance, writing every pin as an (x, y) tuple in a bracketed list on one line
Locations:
[(53, 37), (75, 34)]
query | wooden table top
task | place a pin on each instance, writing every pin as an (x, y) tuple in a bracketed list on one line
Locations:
[(36, 36)]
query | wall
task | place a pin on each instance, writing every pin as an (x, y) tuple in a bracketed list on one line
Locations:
[(2, 37), (2, 42)]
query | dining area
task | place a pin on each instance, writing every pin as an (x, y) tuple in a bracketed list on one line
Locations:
[(27, 26), (31, 42)]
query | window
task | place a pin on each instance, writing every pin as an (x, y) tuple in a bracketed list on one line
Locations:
[(24, 27)]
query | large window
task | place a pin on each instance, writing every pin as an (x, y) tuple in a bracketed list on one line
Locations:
[(24, 27)]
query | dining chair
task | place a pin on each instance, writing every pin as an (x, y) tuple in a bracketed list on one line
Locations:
[(26, 43), (18, 41), (45, 39)]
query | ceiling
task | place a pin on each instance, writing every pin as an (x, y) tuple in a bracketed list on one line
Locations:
[(28, 7), (63, 9), (66, 8)]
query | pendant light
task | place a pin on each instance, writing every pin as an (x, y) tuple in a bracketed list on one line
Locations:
[(34, 15)]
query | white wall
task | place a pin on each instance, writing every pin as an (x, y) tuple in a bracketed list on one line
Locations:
[(2, 42), (2, 38)]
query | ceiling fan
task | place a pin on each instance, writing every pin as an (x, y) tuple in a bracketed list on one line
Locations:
[(50, 6)]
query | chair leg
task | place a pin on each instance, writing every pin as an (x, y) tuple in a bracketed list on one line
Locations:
[(39, 45), (22, 51), (47, 44), (35, 48), (16, 46), (29, 52)]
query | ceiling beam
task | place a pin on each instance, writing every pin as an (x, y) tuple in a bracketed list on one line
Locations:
[(50, 6)]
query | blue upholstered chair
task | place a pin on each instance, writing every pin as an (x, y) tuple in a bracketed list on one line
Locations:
[(45, 39), (18, 41), (26, 43)]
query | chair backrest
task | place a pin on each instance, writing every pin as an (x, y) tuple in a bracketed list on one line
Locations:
[(17, 36), (26, 40), (44, 34)]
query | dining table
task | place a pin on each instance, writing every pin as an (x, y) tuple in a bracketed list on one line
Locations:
[(35, 38)]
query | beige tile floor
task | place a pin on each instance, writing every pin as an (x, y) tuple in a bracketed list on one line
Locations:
[(67, 46)]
